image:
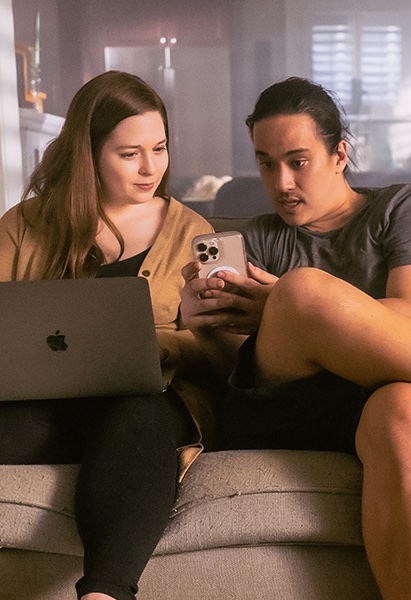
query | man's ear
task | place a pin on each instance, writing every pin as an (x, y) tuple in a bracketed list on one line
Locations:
[(341, 154)]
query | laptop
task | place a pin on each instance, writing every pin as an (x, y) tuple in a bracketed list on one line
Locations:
[(76, 338)]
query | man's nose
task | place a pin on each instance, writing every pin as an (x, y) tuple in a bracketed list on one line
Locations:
[(284, 180)]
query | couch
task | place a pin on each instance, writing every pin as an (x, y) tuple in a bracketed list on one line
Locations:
[(247, 525)]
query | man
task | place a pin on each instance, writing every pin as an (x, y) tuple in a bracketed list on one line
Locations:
[(325, 314)]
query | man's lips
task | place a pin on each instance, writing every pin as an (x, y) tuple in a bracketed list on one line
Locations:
[(290, 204)]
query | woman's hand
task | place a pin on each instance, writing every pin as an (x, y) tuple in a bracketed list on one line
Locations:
[(202, 299)]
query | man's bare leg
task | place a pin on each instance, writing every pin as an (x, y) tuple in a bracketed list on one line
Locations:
[(314, 321), (97, 596), (384, 447)]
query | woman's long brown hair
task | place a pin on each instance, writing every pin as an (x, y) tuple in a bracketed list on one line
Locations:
[(67, 180)]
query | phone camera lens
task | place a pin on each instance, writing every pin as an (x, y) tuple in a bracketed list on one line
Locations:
[(213, 250), (201, 247), (203, 257)]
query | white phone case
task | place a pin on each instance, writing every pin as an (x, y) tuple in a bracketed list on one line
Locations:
[(220, 252)]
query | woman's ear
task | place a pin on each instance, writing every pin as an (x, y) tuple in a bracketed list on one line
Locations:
[(341, 154)]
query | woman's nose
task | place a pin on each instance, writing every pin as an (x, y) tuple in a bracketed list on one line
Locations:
[(147, 165)]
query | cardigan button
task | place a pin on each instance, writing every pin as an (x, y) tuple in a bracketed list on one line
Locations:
[(145, 273)]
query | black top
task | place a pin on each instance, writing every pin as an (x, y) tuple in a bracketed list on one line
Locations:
[(129, 267)]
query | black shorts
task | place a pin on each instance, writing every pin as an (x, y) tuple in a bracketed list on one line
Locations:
[(315, 413)]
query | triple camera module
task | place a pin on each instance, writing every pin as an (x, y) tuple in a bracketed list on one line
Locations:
[(207, 251)]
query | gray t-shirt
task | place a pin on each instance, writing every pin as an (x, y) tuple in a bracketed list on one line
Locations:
[(376, 239)]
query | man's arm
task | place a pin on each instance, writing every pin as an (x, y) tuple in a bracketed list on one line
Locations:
[(398, 293)]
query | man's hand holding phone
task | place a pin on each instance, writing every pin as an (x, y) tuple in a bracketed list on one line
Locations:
[(223, 293)]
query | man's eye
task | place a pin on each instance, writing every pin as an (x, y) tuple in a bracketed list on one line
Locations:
[(297, 164), (266, 165)]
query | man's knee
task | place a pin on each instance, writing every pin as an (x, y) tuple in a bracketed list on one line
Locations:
[(304, 292), (385, 424)]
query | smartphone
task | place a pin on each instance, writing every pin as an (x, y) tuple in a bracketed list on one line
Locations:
[(220, 252)]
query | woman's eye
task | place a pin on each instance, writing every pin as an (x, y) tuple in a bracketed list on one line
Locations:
[(128, 154), (160, 149)]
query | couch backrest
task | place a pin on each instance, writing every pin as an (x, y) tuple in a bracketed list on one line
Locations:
[(242, 197), (227, 223), (378, 178)]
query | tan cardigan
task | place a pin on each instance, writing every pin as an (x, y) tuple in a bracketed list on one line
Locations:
[(21, 257)]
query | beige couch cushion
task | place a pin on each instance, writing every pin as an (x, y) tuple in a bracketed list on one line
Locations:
[(227, 499)]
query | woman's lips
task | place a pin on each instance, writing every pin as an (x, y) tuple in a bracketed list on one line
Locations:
[(145, 187)]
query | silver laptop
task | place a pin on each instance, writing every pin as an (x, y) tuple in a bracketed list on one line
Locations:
[(77, 338)]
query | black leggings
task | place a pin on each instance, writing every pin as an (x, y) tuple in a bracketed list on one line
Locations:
[(128, 476)]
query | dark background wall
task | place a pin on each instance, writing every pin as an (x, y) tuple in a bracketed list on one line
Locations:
[(241, 46), (74, 34)]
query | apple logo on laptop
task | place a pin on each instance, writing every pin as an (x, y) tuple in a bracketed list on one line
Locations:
[(56, 341)]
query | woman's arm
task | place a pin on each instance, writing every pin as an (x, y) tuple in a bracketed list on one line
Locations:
[(8, 246), (221, 320)]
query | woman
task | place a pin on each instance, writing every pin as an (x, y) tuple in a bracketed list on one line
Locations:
[(97, 206), (328, 305)]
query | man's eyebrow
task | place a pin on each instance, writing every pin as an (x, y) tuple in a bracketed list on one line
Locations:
[(261, 153), (289, 153)]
